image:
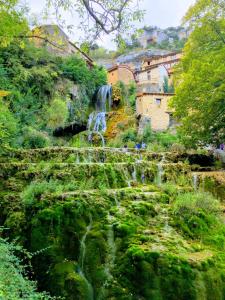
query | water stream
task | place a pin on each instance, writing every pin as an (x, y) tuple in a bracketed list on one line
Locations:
[(160, 171), (110, 260), (81, 271), (97, 119), (195, 181)]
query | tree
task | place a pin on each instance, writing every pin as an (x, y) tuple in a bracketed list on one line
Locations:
[(101, 16), (199, 81), (12, 21)]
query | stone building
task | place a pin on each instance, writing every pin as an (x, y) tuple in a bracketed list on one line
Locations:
[(120, 73), (153, 107), (154, 70), (55, 40)]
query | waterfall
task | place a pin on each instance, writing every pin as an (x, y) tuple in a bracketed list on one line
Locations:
[(195, 182), (160, 171), (97, 119), (110, 258), (90, 295)]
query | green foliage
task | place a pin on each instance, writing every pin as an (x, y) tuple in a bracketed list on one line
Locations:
[(129, 135), (200, 84), (33, 139), (11, 13), (39, 90), (57, 113), (14, 283), (198, 216), (8, 127), (76, 70)]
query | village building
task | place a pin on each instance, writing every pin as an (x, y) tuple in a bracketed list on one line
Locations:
[(152, 104), (155, 70), (153, 108), (121, 73), (55, 40)]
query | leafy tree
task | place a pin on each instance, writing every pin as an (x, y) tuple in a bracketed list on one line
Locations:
[(12, 22), (199, 80)]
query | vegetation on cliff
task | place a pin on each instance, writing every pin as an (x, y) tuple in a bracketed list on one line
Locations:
[(41, 84)]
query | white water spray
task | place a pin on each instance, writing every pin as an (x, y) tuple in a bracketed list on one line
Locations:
[(195, 181), (160, 171), (97, 119)]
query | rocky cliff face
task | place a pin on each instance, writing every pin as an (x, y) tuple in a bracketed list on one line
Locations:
[(108, 224)]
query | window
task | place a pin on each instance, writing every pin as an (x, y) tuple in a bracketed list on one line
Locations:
[(149, 63), (149, 75), (158, 102)]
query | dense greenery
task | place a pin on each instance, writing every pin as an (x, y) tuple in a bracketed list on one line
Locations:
[(11, 13), (143, 238), (40, 84), (200, 83)]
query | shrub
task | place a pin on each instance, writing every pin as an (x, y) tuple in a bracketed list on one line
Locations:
[(36, 189), (148, 135), (57, 113), (13, 280), (166, 139), (129, 135), (8, 127), (197, 215), (189, 203), (35, 139)]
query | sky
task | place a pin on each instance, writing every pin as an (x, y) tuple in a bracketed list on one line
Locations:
[(161, 13)]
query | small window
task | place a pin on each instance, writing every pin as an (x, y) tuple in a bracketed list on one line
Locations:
[(158, 101), (149, 75), (149, 63)]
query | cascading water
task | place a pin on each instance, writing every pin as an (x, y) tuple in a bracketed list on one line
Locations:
[(195, 182), (97, 119), (160, 171), (110, 258), (90, 292)]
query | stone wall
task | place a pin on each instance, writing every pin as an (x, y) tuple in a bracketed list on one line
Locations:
[(120, 73), (155, 107)]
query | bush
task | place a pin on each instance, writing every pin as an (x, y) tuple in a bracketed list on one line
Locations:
[(166, 139), (129, 135), (191, 202), (34, 139), (148, 135), (13, 281), (57, 113), (197, 214), (34, 191), (8, 127)]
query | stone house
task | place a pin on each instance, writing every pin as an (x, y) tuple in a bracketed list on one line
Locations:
[(120, 73), (55, 40), (154, 108), (154, 70)]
